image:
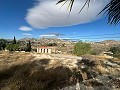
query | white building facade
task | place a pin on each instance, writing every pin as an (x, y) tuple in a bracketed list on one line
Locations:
[(48, 50)]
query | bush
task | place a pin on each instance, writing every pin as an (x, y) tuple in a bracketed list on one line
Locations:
[(82, 48), (51, 44), (116, 51), (13, 47), (2, 44), (93, 52), (116, 55)]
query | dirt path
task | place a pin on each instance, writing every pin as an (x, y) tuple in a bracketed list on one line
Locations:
[(65, 56)]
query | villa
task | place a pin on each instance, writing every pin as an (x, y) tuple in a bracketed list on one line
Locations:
[(46, 49)]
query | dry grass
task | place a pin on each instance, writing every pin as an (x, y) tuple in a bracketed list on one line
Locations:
[(31, 76), (8, 59), (101, 69), (25, 71)]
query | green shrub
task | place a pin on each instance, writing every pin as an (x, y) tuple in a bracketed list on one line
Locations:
[(51, 44), (93, 52), (116, 51), (2, 44), (116, 55), (82, 48), (13, 47)]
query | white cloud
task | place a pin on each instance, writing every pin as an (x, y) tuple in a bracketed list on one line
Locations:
[(65, 38), (25, 28), (51, 35), (27, 34), (46, 14)]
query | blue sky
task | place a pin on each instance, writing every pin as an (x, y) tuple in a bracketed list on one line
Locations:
[(14, 12)]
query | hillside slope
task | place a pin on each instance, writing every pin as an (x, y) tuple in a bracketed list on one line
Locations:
[(31, 71)]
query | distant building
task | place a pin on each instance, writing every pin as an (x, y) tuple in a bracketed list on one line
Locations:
[(46, 49)]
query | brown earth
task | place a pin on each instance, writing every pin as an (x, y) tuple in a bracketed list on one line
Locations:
[(31, 71)]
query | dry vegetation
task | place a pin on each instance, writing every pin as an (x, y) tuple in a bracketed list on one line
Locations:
[(8, 59), (28, 71)]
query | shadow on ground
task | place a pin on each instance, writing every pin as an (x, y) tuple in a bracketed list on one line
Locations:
[(35, 76)]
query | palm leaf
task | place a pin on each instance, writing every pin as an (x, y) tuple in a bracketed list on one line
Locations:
[(112, 9), (71, 2), (60, 1), (113, 12)]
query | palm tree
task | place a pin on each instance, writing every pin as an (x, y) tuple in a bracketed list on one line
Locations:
[(112, 9)]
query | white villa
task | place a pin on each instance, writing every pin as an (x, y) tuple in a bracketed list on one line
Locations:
[(46, 49)]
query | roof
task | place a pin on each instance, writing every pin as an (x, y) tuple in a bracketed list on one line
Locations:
[(44, 47)]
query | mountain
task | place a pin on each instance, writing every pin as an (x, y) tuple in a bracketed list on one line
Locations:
[(110, 42)]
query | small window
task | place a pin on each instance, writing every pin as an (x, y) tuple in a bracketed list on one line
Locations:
[(41, 50), (44, 50), (47, 50)]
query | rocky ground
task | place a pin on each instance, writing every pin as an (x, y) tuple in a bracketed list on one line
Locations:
[(31, 71)]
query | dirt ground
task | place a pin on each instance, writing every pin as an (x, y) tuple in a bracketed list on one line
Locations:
[(32, 71)]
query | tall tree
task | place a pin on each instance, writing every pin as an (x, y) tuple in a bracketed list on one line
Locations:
[(112, 9), (3, 44), (14, 41), (28, 49)]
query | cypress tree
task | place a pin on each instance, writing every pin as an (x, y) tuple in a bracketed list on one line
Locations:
[(28, 47), (14, 41)]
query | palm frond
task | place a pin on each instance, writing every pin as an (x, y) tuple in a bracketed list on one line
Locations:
[(112, 9), (113, 12), (86, 3), (71, 2), (60, 1), (65, 1)]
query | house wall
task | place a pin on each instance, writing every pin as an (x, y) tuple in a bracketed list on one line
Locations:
[(49, 50), (44, 50)]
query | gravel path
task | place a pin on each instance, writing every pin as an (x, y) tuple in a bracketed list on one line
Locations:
[(66, 56)]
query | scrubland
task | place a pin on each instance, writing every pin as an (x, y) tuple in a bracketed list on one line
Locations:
[(31, 71)]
